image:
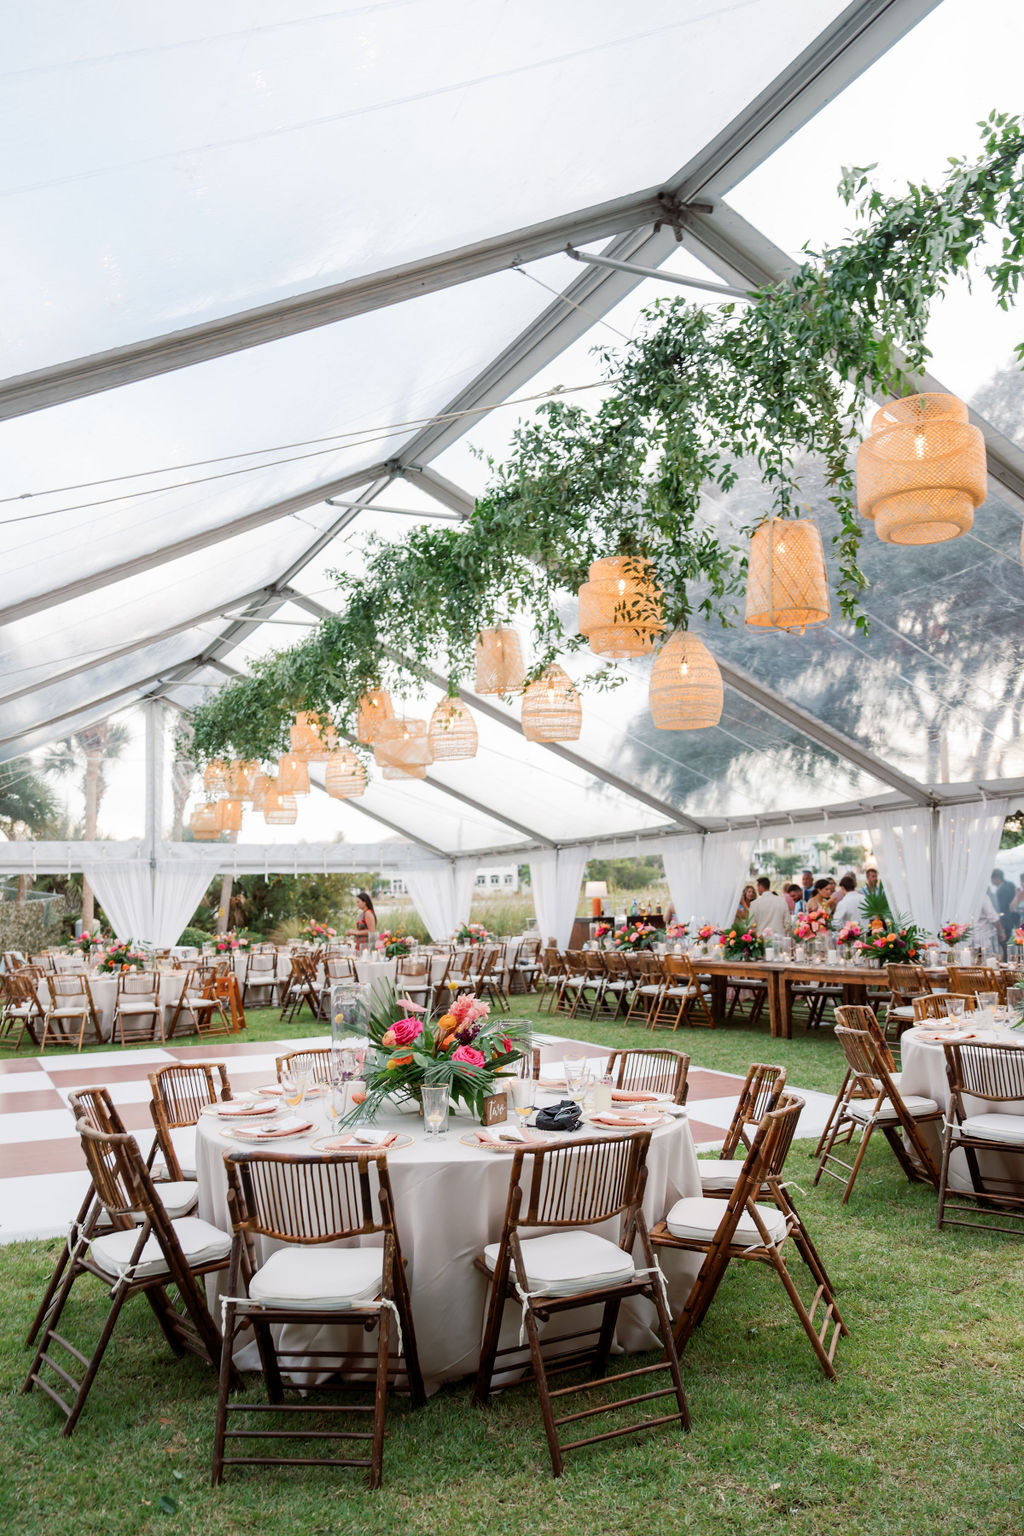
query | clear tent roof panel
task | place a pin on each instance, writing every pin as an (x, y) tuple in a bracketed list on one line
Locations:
[(276, 149)]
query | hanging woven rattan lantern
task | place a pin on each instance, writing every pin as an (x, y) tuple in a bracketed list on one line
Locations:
[(620, 607), (686, 685), (240, 776), (292, 775), (551, 708), (452, 731), (279, 810), (786, 583), (230, 815), (215, 776), (403, 743), (260, 784), (375, 708), (499, 661), (313, 737), (344, 776), (205, 822), (922, 471), (391, 771)]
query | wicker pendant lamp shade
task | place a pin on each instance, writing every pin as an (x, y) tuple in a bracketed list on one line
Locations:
[(620, 609), (292, 775), (260, 784), (344, 776), (686, 685), (374, 709), (205, 822), (922, 471), (499, 661), (239, 779), (551, 708), (279, 810), (230, 815), (215, 776), (403, 743), (786, 583), (391, 771), (312, 737), (452, 731)]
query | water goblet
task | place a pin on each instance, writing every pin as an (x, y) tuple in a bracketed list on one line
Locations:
[(294, 1083), (955, 1006), (575, 1068), (435, 1108), (524, 1098)]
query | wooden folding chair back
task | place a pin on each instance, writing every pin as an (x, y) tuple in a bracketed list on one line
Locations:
[(650, 1072), (142, 1253), (21, 1012), (969, 980), (935, 1005), (310, 1202), (991, 1077), (180, 1093), (552, 1188), (759, 1096), (857, 1016), (316, 1060), (340, 968), (70, 1004), (138, 1011), (199, 1004), (682, 972), (907, 982)]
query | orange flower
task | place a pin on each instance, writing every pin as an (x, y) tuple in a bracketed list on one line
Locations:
[(358, 1098), (387, 1039), (399, 1061)]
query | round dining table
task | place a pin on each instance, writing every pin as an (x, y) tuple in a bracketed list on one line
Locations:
[(924, 1072), (450, 1203)]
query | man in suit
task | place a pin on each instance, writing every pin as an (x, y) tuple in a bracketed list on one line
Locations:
[(768, 912), (1001, 895)]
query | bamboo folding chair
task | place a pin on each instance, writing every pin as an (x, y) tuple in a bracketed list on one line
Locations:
[(935, 1005), (682, 997), (618, 981), (969, 980), (180, 1093), (559, 1190), (648, 978), (315, 1059), (906, 982), (412, 979), (309, 1203), (593, 980), (146, 1252), (261, 983), (573, 978), (528, 1064), (198, 1002), (871, 1099), (526, 967), (661, 1072), (138, 999), (302, 988), (21, 1012), (856, 1016), (739, 1228), (993, 1074), (549, 977), (762, 1089)]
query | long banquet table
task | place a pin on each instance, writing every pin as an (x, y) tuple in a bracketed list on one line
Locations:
[(450, 1202), (780, 977)]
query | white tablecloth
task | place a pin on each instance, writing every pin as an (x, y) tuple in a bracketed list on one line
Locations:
[(450, 1202), (104, 995), (382, 974), (924, 1072)]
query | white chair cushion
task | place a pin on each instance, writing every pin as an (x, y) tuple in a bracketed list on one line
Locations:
[(861, 1109), (177, 1197), (183, 1139), (319, 1279), (200, 1242), (125, 1006), (564, 1263), (698, 1217), (894, 1077), (995, 1127), (904, 1011), (718, 1175)]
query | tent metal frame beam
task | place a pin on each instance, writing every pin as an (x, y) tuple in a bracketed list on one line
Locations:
[(725, 290)]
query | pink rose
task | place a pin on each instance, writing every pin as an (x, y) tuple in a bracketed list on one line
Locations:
[(471, 1057), (406, 1031)]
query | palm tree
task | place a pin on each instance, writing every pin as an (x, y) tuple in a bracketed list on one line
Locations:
[(91, 750), (27, 809)]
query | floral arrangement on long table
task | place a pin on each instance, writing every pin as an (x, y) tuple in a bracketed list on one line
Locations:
[(464, 1050), (121, 957), (393, 945), (318, 932), (808, 925), (235, 941), (741, 944), (471, 933), (87, 944), (638, 935), (954, 933)]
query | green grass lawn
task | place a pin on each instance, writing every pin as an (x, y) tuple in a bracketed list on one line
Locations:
[(921, 1433)]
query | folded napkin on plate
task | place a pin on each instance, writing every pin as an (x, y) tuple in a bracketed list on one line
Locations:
[(632, 1096), (290, 1127), (235, 1107), (551, 1084), (513, 1137), (345, 1143), (275, 1091), (617, 1120)]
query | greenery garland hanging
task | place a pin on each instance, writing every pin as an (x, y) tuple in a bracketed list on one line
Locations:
[(698, 395)]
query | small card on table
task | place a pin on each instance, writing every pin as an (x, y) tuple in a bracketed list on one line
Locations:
[(494, 1109)]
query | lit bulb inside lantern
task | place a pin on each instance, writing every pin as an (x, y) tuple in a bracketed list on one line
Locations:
[(551, 695), (622, 588), (919, 444), (684, 668)]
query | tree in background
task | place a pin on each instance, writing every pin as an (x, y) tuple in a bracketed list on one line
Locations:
[(183, 776), (265, 906), (627, 874), (90, 752), (27, 809)]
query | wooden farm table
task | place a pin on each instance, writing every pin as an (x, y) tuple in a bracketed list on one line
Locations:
[(780, 977)]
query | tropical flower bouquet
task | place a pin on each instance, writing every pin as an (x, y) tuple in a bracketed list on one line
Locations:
[(471, 933), (1018, 936), (848, 935), (706, 933), (235, 940), (954, 933), (318, 932), (808, 925), (741, 944), (393, 945), (87, 944), (464, 1050), (602, 930), (676, 931), (637, 935), (121, 957), (898, 943)]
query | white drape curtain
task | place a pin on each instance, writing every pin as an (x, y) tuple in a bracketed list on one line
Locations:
[(967, 848), (125, 893), (683, 858), (904, 844), (179, 890), (433, 895), (724, 872), (555, 880), (462, 890)]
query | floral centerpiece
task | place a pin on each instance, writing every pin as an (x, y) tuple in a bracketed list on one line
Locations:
[(471, 933), (393, 945), (637, 935), (602, 930), (848, 935), (955, 933), (464, 1050), (87, 944), (741, 944), (120, 956), (234, 941), (676, 931), (318, 932), (706, 933), (807, 926), (898, 942)]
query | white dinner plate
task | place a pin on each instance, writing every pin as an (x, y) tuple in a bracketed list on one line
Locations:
[(401, 1140)]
